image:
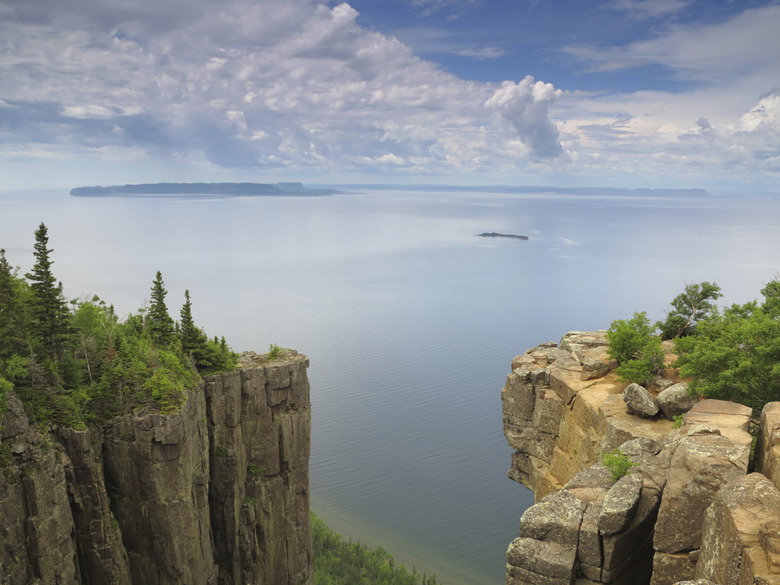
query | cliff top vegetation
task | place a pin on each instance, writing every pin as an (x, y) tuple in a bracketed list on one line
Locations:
[(76, 362), (731, 353)]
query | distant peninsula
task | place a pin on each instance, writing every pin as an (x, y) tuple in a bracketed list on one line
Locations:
[(199, 189), (535, 189), (497, 235)]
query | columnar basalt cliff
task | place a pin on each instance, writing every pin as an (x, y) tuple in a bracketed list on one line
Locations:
[(686, 509), (214, 494)]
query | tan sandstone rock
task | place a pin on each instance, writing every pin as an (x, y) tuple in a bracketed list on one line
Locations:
[(768, 447), (740, 539)]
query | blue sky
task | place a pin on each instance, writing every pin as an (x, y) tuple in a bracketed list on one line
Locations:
[(636, 93)]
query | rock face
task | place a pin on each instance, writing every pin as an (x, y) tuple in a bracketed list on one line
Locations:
[(768, 448), (685, 510), (215, 494)]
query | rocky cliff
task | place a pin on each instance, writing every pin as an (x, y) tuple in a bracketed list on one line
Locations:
[(688, 508), (214, 494)]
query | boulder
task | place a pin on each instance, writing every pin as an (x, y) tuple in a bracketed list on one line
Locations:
[(620, 503), (675, 400), (740, 541), (639, 401), (556, 518), (700, 466), (595, 368), (532, 562)]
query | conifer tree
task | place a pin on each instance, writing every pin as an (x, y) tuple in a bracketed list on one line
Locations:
[(158, 322), (50, 320), (11, 312), (193, 340)]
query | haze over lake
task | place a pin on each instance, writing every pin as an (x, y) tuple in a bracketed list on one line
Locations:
[(410, 320)]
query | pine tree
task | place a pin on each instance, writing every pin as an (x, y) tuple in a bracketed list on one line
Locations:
[(158, 322), (50, 320), (12, 327), (193, 340)]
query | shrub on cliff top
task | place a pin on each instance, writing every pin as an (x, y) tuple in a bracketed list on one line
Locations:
[(632, 344), (627, 337), (617, 462)]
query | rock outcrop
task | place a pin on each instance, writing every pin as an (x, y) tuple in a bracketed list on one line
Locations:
[(685, 510), (214, 494)]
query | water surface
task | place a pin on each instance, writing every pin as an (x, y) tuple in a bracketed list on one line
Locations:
[(409, 319)]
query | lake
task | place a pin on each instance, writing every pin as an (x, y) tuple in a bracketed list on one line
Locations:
[(409, 319)]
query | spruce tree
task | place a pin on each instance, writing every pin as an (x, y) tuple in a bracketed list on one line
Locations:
[(193, 340), (158, 322), (50, 320), (12, 329)]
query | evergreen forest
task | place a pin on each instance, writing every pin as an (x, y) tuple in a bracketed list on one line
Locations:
[(340, 562), (75, 362)]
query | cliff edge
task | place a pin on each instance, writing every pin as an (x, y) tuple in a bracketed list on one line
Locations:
[(214, 494), (687, 508)]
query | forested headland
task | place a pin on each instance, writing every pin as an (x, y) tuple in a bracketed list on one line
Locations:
[(74, 362), (193, 189)]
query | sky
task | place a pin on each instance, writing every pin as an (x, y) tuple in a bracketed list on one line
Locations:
[(620, 93)]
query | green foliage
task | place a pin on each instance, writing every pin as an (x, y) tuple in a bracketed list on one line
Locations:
[(632, 344), (649, 362), (627, 338), (337, 562), (12, 312), (679, 420), (158, 321), (735, 356), (49, 319), (275, 352), (208, 356), (617, 462), (6, 455), (771, 292), (72, 366), (690, 307)]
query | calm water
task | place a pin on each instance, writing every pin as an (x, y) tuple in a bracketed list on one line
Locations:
[(410, 321)]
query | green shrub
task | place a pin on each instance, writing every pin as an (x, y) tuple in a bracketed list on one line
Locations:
[(649, 362), (275, 352), (618, 463), (688, 308), (627, 338)]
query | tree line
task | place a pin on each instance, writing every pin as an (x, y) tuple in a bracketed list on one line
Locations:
[(730, 353), (340, 562), (76, 362)]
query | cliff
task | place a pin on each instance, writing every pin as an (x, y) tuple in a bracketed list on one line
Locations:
[(214, 494), (687, 509)]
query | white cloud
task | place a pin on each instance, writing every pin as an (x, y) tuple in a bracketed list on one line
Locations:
[(300, 88), (457, 7), (483, 53), (713, 53), (524, 107)]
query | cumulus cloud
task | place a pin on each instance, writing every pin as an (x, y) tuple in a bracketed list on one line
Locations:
[(524, 107), (246, 84), (301, 88)]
